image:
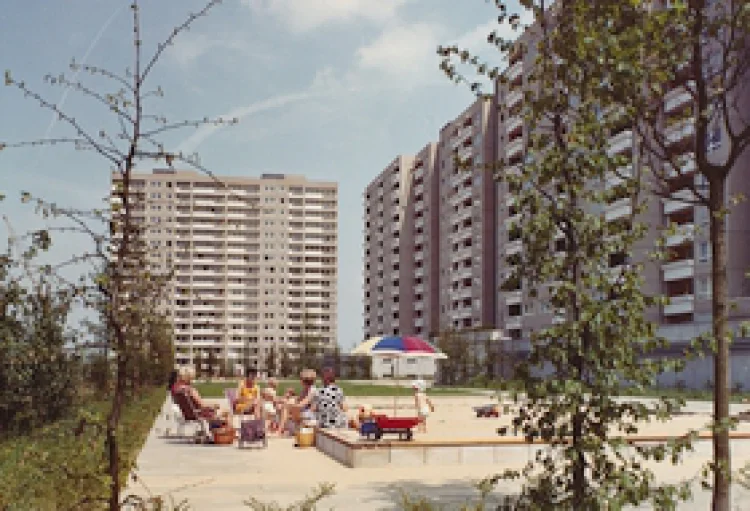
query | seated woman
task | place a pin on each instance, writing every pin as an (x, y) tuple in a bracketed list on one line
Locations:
[(300, 410), (184, 384), (248, 394), (330, 409)]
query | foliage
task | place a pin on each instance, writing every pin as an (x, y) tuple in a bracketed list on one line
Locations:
[(421, 503), (271, 362), (578, 263), (38, 378), (127, 293), (64, 465), (308, 503), (701, 48)]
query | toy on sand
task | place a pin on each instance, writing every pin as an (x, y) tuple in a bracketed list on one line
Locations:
[(375, 426), (487, 411)]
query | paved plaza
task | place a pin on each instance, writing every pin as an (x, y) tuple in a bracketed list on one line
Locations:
[(222, 477)]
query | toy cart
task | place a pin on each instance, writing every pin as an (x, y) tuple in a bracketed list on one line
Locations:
[(374, 428), (487, 411)]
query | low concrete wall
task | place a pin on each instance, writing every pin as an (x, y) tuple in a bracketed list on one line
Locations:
[(368, 454)]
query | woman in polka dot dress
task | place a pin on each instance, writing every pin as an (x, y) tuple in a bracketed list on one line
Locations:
[(329, 402)]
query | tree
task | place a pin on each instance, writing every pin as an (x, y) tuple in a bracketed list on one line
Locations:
[(271, 361), (286, 365), (701, 47), (38, 378), (571, 259), (135, 139)]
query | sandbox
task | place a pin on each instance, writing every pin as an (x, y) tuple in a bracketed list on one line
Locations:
[(457, 437)]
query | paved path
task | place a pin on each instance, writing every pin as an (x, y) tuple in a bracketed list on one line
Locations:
[(221, 478)]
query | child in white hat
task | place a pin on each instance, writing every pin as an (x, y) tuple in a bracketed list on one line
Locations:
[(422, 403)]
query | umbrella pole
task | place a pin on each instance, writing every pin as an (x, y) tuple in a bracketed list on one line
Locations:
[(398, 387)]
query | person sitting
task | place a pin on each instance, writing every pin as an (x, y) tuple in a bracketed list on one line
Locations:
[(270, 411), (248, 394), (330, 409), (359, 416), (184, 384), (300, 410)]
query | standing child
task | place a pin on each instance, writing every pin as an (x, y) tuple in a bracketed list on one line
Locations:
[(422, 403)]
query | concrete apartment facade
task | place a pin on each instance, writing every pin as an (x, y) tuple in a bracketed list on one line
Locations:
[(254, 260), (473, 220), (388, 247), (466, 214), (685, 276)]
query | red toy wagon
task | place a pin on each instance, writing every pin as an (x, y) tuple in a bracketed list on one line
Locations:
[(374, 427)]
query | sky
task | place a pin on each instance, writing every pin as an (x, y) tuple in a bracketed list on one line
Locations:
[(331, 89)]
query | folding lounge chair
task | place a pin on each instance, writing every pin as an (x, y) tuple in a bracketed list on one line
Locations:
[(191, 415), (231, 395)]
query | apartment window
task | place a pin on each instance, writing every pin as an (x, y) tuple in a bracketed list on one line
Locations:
[(704, 287), (704, 251)]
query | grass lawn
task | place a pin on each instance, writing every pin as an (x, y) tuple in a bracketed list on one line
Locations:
[(216, 389), (52, 468)]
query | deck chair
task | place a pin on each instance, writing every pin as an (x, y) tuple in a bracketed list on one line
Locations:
[(231, 395), (191, 415)]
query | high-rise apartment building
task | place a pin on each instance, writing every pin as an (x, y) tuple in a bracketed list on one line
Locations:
[(469, 223), (466, 216), (388, 288), (254, 261), (685, 276), (423, 210)]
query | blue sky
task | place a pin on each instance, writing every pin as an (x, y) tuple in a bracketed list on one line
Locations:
[(332, 89)]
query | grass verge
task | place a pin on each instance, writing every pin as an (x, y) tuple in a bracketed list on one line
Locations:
[(216, 389), (63, 466)]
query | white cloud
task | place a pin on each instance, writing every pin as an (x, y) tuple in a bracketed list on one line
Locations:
[(191, 143), (402, 50), (305, 15)]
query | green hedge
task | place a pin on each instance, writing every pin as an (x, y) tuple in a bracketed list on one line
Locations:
[(63, 465)]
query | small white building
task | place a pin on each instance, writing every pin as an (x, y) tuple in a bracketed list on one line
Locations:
[(404, 367)]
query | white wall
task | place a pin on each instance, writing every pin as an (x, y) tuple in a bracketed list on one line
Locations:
[(403, 367)]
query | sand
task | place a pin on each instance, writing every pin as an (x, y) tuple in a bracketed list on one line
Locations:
[(219, 477)]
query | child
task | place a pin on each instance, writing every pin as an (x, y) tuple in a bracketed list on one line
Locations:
[(270, 413), (422, 403)]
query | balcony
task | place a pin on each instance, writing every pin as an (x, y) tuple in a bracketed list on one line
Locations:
[(618, 209), (678, 202), (419, 189), (513, 297), (419, 322), (464, 272), (680, 305), (513, 124), (616, 178), (680, 130), (513, 98), (419, 289), (513, 247), (419, 272), (514, 148), (513, 322), (678, 97), (465, 152), (514, 71), (463, 193), (621, 142), (462, 253), (679, 270), (684, 234), (419, 222)]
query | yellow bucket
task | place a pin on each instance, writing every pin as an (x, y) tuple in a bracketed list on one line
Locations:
[(305, 437)]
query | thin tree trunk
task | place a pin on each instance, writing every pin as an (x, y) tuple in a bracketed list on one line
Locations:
[(112, 444), (722, 455)]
